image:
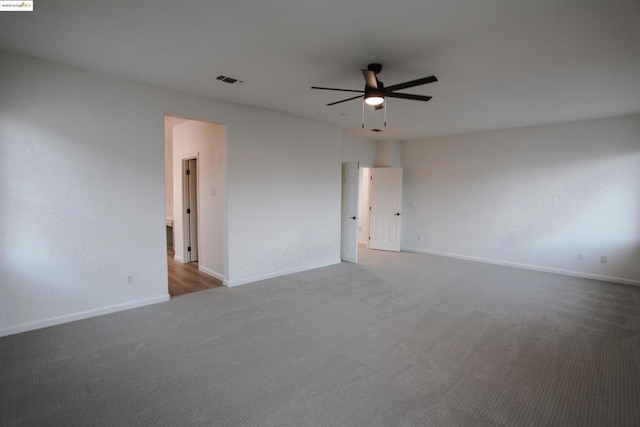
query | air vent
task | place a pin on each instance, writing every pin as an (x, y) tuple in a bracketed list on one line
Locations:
[(376, 130), (229, 80)]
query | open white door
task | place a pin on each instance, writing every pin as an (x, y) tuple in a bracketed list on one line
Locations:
[(386, 201), (350, 198)]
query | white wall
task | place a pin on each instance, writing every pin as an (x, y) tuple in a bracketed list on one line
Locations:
[(169, 123), (535, 197), (355, 149), (82, 192), (206, 142), (284, 186), (388, 154), (168, 168)]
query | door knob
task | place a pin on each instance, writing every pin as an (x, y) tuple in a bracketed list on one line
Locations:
[(352, 217), (397, 214)]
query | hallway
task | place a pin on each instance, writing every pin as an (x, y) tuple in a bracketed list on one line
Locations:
[(185, 278)]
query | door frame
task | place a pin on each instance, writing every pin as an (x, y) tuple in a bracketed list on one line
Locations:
[(185, 224)]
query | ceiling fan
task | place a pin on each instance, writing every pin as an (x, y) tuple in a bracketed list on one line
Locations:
[(374, 91)]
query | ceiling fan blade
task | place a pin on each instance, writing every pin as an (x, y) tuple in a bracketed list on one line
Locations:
[(412, 83), (370, 78), (345, 100), (408, 96), (339, 90)]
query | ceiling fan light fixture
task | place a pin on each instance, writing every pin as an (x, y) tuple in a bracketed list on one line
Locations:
[(374, 100)]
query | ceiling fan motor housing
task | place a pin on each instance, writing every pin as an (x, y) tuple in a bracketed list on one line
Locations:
[(372, 91)]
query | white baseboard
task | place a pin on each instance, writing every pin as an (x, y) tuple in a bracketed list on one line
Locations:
[(211, 273), (24, 327), (600, 277), (257, 278), (178, 258)]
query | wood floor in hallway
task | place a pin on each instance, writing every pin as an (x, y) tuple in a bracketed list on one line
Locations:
[(186, 278)]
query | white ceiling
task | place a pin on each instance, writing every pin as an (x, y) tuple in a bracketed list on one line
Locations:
[(501, 63)]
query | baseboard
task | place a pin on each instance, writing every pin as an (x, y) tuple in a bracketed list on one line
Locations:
[(24, 327), (257, 278), (178, 258), (600, 277), (211, 273)]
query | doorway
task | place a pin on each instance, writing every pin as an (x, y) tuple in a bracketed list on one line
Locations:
[(196, 197), (371, 209)]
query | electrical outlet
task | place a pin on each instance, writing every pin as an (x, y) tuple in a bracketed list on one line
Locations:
[(130, 279), (419, 237), (604, 259), (580, 257)]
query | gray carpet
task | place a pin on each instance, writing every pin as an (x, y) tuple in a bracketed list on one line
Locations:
[(400, 340)]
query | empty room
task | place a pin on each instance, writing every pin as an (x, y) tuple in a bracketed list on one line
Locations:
[(380, 213)]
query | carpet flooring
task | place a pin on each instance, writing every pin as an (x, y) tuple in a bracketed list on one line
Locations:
[(399, 340)]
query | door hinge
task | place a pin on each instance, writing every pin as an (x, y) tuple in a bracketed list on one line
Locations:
[(189, 249), (369, 237), (188, 211), (369, 207)]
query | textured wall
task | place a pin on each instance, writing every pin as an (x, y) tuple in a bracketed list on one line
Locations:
[(535, 196), (82, 201), (284, 186)]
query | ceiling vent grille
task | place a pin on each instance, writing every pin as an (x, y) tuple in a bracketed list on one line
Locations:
[(229, 80)]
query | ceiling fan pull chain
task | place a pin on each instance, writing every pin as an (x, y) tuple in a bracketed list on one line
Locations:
[(362, 114), (385, 112)]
